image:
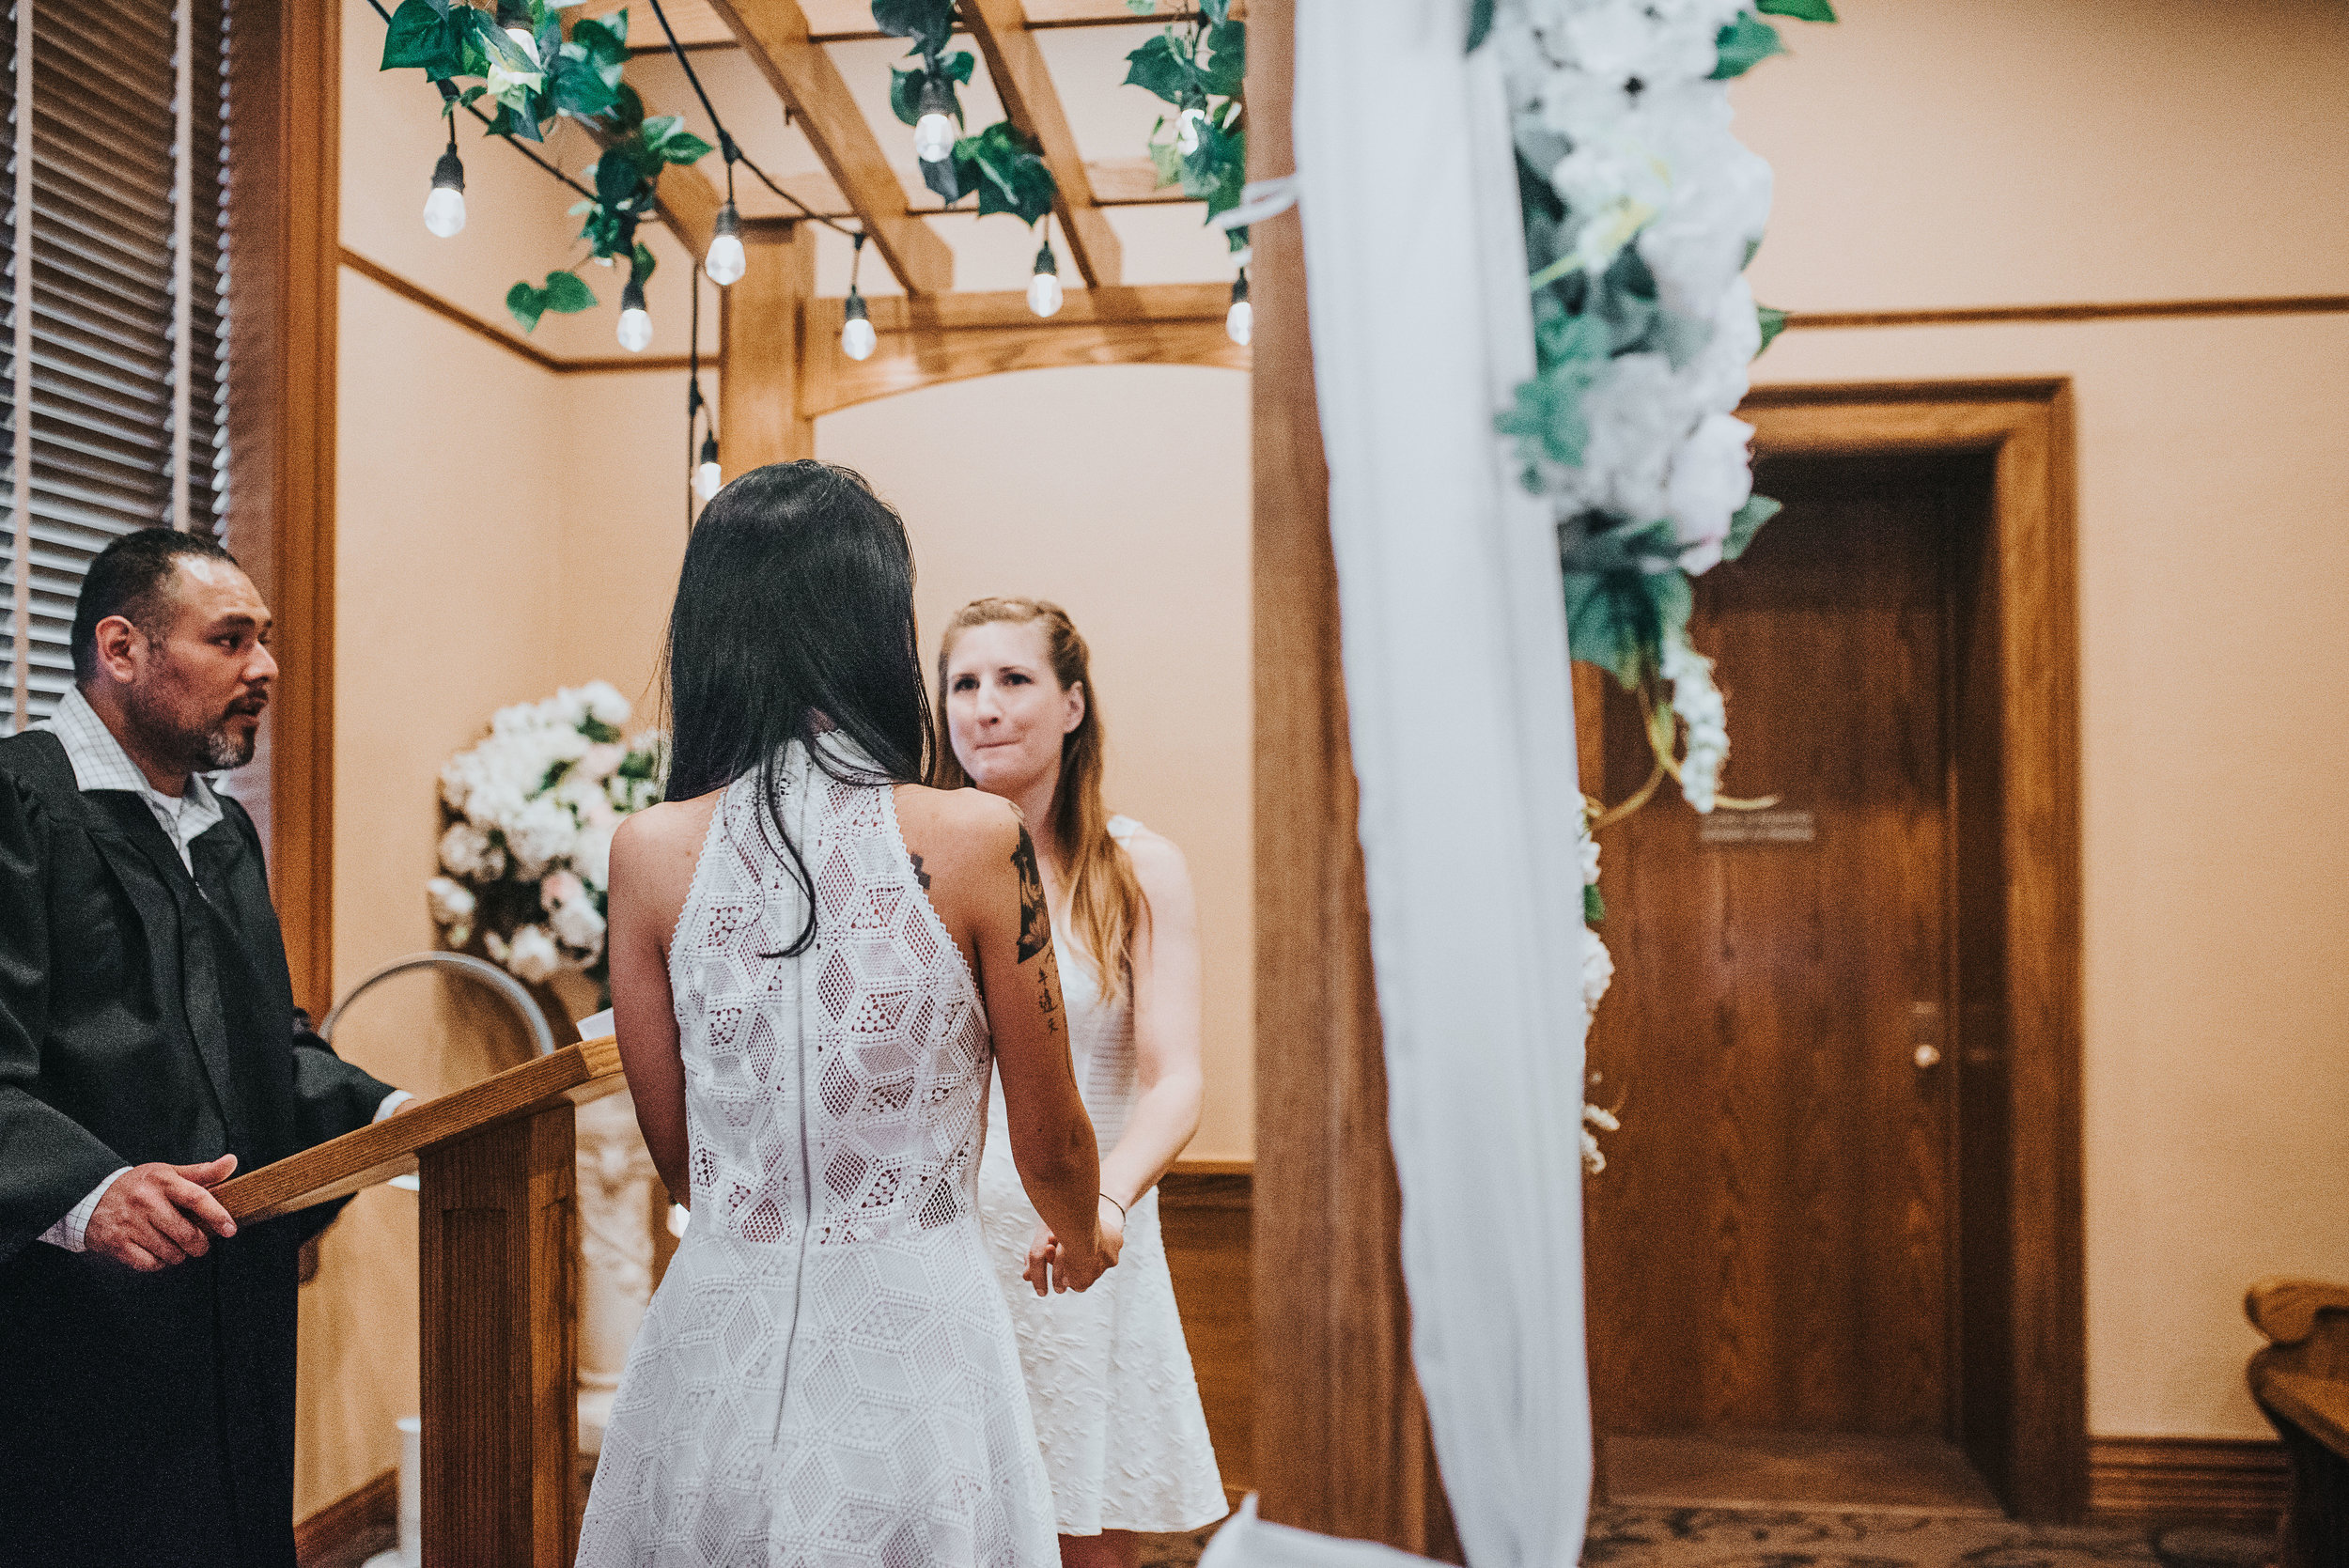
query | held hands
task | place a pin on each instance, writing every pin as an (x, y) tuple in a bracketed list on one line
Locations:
[(155, 1216), (1052, 1265)]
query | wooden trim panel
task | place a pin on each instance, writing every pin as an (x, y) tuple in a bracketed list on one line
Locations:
[(956, 336), (365, 1519), (2216, 1481), (2287, 305), (759, 323), (2039, 1384), (417, 294)]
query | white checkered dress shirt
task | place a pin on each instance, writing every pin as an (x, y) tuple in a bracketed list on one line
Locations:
[(100, 763)]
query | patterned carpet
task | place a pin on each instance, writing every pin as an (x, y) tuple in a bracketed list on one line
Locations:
[(1717, 1538)]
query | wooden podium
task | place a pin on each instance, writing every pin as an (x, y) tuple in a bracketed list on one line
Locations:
[(498, 1295)]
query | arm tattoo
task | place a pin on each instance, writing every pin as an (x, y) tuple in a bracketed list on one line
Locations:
[(919, 875), (1044, 1000), (1035, 919)]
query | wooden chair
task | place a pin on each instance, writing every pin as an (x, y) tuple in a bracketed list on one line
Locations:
[(2301, 1383), (499, 1236)]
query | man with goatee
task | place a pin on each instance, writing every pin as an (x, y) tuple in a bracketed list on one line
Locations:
[(149, 1048)]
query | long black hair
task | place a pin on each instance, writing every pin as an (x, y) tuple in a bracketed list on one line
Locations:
[(794, 616)]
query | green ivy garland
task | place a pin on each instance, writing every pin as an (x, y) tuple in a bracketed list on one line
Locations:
[(1202, 71), (1005, 167)]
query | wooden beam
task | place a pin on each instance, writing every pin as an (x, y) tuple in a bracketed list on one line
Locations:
[(956, 336), (760, 417), (1024, 82), (1115, 182), (775, 33), (848, 21)]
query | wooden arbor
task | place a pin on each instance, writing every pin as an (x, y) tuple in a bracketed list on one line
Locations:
[(1340, 1434), (497, 1293)]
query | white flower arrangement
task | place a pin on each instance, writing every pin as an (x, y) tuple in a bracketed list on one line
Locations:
[(1641, 209), (526, 852), (1599, 971)]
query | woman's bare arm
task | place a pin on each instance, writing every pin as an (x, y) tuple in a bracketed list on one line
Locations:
[(1166, 1026), (981, 874), (652, 870)]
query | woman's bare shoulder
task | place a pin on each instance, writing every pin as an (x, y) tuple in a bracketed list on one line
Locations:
[(1158, 860), (961, 820), (665, 832)]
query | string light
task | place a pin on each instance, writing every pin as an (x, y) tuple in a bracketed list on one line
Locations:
[(1044, 290), (857, 339), (444, 205), (1240, 322), (635, 320), (707, 476), (934, 133), (726, 262)]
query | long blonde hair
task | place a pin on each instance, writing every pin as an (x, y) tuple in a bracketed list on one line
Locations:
[(1105, 899)]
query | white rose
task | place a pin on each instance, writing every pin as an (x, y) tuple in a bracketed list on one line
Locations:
[(452, 902), (1631, 41), (578, 924), (1588, 845), (467, 852), (1712, 476), (1638, 418), (601, 761), (533, 955), (1599, 970)]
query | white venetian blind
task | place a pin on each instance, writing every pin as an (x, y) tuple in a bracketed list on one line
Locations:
[(114, 250)]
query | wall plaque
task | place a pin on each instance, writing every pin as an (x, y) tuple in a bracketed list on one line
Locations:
[(1725, 829)]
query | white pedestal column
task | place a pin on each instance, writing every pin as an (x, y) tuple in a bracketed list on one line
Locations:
[(615, 1217)]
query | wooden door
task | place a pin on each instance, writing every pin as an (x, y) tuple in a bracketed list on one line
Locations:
[(1771, 1247)]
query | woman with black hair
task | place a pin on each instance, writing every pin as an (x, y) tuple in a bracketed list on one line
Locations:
[(828, 1371)]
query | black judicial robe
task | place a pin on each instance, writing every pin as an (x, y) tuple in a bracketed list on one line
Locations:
[(145, 1420)]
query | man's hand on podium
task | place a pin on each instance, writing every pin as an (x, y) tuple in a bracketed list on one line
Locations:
[(155, 1216)]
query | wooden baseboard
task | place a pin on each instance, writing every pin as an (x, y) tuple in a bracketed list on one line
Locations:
[(352, 1527), (2234, 1481)]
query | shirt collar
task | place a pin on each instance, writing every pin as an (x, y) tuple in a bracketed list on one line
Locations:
[(100, 763)]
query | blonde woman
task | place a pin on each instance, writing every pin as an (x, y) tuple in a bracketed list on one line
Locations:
[(1117, 1406)]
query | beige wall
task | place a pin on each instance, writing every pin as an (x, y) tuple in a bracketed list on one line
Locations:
[(2011, 152)]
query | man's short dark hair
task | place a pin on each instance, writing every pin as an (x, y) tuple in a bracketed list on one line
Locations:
[(132, 578)]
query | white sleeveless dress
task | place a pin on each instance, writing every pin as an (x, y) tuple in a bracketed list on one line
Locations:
[(1109, 1375), (828, 1374)]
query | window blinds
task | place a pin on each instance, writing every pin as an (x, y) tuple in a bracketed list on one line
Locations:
[(113, 243)]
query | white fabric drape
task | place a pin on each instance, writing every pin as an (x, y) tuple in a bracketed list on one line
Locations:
[(1459, 701)]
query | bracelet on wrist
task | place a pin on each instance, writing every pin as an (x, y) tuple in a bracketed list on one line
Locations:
[(1115, 1204)]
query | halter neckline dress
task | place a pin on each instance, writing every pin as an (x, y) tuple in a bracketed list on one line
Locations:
[(828, 1374), (1109, 1381)]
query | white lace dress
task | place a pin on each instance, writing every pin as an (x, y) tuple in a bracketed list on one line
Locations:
[(1117, 1406), (828, 1374)]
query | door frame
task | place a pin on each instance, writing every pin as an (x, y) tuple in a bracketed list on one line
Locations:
[(2024, 1351)]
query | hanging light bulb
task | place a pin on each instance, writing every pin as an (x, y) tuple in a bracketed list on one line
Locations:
[(725, 262), (857, 339), (934, 133), (1187, 131), (1240, 322), (445, 206), (635, 320), (707, 476), (1044, 291)]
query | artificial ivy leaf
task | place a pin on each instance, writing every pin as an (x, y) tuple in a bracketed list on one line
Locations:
[(642, 262), (1547, 416), (579, 88), (1226, 71), (905, 92), (1168, 160), (1236, 237), (1012, 178), (567, 294), (930, 23), (421, 36), (1746, 522), (952, 177), (617, 177), (683, 147), (1605, 612), (1773, 323), (525, 305), (1232, 172), (1479, 23), (469, 95), (1141, 8), (1744, 44), (604, 44), (960, 64), (1801, 10), (631, 111), (1216, 11), (1563, 339), (508, 123), (1164, 67), (1593, 907), (602, 229)]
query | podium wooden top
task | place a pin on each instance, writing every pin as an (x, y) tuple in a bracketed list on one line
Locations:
[(375, 1154)]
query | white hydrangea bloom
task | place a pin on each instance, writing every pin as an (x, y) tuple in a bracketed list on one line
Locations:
[(1712, 476), (578, 924), (452, 902), (1599, 971), (604, 704), (466, 852), (591, 854), (542, 832), (1587, 843), (1704, 718), (532, 954)]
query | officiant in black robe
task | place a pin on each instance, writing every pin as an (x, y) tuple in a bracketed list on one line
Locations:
[(147, 1034)]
